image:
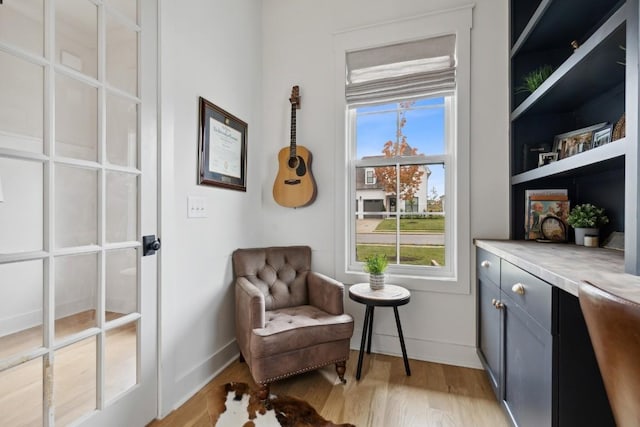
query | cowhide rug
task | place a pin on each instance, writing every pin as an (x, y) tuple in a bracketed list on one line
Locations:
[(238, 406)]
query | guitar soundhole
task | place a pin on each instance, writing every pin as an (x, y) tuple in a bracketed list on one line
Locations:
[(293, 162)]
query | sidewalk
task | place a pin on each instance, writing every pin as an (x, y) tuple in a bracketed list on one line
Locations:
[(367, 225)]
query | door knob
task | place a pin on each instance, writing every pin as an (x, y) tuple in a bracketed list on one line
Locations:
[(150, 245), (485, 264)]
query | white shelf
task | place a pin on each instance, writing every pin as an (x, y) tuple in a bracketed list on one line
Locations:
[(588, 158)]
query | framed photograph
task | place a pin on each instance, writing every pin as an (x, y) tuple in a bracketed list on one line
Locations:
[(222, 148), (546, 158), (601, 137), (574, 142)]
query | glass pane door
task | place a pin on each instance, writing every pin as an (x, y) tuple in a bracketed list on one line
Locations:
[(71, 177)]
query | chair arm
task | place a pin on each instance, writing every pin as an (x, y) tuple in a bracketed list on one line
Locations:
[(325, 293), (249, 312)]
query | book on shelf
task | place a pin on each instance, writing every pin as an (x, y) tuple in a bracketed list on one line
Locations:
[(541, 203)]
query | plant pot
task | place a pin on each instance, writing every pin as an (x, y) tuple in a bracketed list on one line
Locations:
[(581, 232), (376, 281)]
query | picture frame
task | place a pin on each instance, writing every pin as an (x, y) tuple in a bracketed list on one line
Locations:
[(222, 148), (571, 143), (546, 158), (601, 136)]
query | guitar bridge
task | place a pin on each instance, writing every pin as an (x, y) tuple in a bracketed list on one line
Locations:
[(292, 181)]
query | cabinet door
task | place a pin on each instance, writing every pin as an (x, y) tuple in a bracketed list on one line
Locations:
[(489, 329), (527, 368)]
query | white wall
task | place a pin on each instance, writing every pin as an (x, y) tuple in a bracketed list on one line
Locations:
[(210, 49), (438, 326), (245, 56)]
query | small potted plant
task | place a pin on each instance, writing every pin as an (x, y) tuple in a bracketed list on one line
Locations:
[(586, 219), (376, 265)]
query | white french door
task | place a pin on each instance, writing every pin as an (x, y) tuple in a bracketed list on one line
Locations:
[(78, 189)]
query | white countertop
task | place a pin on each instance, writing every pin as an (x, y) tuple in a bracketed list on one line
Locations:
[(566, 265)]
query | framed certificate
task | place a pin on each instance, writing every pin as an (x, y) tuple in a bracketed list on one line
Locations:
[(222, 153)]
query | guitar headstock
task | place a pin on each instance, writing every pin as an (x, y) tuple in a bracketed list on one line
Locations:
[(295, 96)]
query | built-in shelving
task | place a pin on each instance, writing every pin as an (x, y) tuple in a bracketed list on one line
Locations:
[(558, 22), (597, 82), (594, 68)]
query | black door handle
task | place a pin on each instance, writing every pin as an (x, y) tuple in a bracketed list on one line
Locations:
[(150, 245)]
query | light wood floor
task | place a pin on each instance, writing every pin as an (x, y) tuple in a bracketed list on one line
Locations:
[(74, 373), (434, 395)]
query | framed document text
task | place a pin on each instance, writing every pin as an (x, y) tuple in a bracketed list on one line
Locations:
[(222, 148)]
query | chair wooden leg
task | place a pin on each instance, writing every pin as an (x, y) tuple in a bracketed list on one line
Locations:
[(263, 392), (341, 368)]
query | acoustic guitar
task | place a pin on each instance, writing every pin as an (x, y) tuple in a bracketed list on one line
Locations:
[(294, 185)]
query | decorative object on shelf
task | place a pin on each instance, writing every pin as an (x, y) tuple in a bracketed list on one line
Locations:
[(586, 219), (575, 44), (590, 241), (619, 129), (546, 158), (222, 153), (532, 80), (531, 154), (601, 136), (576, 141), (540, 204), (376, 265), (614, 241), (553, 230)]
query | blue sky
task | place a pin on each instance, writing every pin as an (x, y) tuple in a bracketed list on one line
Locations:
[(424, 130)]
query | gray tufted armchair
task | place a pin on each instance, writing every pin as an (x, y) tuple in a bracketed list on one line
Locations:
[(289, 319)]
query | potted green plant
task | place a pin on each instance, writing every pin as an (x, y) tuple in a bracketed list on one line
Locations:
[(586, 219), (376, 265), (532, 80)]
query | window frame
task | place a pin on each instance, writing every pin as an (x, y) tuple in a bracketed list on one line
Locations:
[(458, 21)]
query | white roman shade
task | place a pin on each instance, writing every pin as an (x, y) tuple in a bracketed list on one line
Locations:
[(401, 71)]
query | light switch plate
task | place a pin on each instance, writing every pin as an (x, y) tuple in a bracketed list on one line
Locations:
[(196, 207)]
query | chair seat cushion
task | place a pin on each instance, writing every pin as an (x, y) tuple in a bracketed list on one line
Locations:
[(293, 328)]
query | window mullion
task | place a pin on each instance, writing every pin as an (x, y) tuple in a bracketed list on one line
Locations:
[(398, 213)]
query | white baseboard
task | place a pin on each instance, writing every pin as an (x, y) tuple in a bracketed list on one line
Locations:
[(192, 381), (429, 351)]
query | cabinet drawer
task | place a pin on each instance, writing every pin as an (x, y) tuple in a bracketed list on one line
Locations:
[(528, 292), (488, 266)]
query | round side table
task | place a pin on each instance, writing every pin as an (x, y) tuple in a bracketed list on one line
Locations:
[(389, 296)]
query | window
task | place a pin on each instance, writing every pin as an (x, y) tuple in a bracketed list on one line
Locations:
[(370, 176), (393, 79), (401, 147)]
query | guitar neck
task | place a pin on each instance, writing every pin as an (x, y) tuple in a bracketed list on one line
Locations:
[(292, 148)]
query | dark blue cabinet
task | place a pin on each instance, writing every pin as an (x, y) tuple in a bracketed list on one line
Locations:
[(534, 346)]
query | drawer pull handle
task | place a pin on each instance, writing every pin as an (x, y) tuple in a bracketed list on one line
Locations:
[(499, 305), (485, 264), (518, 288)]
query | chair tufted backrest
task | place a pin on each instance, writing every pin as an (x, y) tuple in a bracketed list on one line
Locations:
[(280, 273)]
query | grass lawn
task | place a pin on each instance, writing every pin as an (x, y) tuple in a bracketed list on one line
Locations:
[(409, 254), (406, 224)]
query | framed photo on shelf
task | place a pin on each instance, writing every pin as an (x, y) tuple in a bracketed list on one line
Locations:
[(601, 136), (222, 148), (546, 158), (571, 143)]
